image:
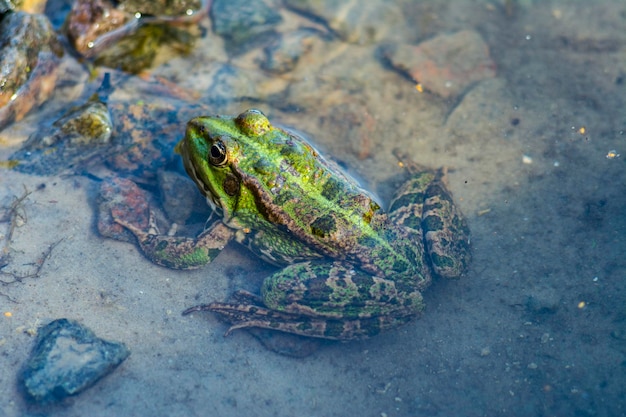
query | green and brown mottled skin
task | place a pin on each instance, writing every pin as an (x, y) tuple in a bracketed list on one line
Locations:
[(349, 269)]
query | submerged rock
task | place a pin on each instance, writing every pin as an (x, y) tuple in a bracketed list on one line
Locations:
[(121, 198), (286, 49), (241, 21), (360, 22), (446, 64), (67, 359), (80, 134), (29, 57), (129, 34)]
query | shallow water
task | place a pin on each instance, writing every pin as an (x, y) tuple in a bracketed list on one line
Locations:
[(537, 326)]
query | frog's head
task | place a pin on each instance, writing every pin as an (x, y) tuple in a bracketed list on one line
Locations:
[(212, 150)]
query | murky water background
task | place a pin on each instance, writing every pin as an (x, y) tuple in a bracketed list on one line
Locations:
[(531, 123)]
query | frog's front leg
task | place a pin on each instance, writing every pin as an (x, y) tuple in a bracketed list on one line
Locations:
[(330, 300), (180, 252)]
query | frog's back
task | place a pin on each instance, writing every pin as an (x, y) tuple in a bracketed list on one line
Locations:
[(295, 187)]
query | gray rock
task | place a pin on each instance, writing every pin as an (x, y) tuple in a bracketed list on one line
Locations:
[(67, 359)]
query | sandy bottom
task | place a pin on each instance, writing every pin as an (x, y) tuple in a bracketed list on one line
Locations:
[(537, 327)]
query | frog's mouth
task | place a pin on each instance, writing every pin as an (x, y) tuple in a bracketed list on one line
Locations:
[(212, 198)]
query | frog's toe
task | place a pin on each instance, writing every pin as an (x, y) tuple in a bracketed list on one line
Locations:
[(243, 296)]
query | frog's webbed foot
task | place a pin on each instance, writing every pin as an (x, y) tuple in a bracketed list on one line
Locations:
[(413, 168), (281, 342), (245, 310), (241, 315), (245, 316)]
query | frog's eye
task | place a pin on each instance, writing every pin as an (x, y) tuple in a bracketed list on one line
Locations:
[(253, 123), (217, 154)]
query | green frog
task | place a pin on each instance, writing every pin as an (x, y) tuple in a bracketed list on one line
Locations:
[(349, 269)]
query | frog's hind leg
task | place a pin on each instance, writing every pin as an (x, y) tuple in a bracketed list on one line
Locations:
[(325, 300), (336, 290), (445, 230), (337, 301), (425, 205)]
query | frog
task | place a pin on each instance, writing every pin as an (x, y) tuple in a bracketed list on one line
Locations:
[(348, 269)]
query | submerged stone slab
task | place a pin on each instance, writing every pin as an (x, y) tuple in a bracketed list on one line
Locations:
[(67, 359), (446, 64), (243, 23), (355, 21)]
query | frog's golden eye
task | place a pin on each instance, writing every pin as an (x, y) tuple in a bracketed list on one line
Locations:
[(217, 154)]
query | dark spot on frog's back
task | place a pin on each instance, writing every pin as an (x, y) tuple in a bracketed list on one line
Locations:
[(292, 150), (285, 196), (363, 282), (373, 208), (332, 189), (323, 226)]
